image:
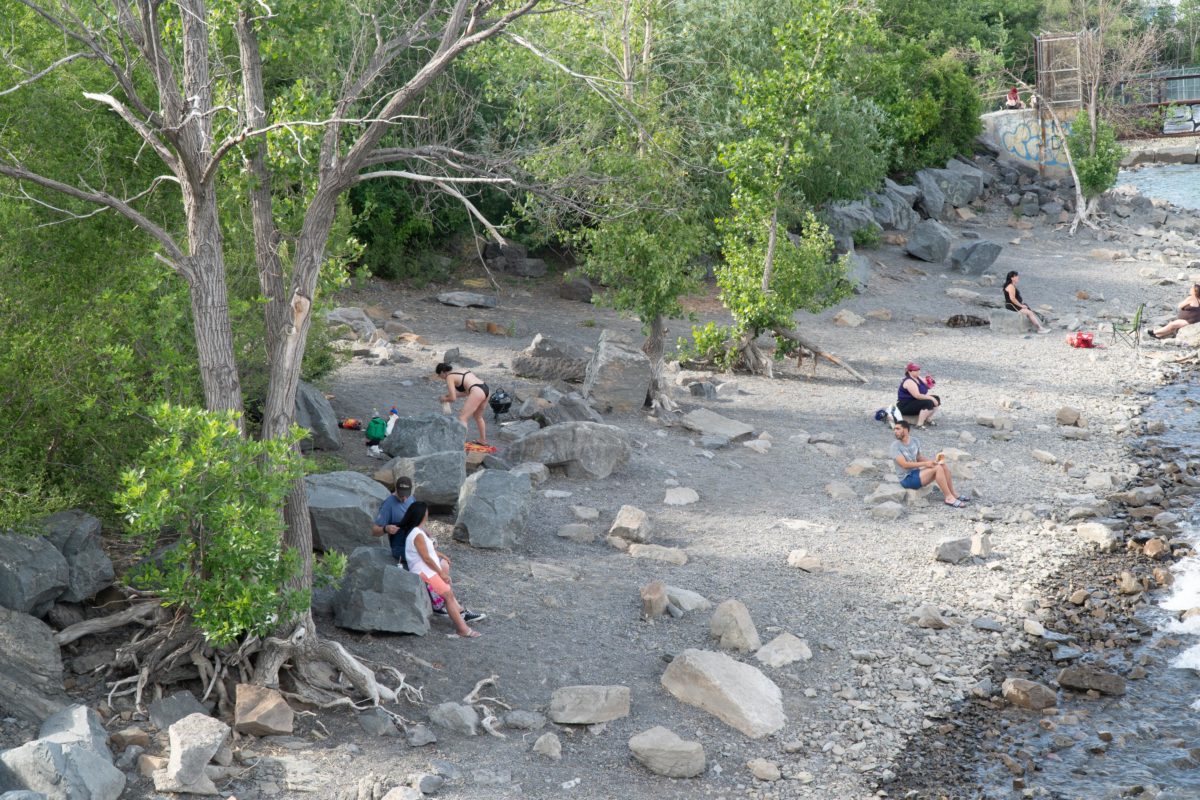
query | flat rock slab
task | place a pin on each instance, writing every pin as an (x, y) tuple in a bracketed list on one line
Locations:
[(656, 552), (710, 423), (663, 752), (1084, 679), (681, 496), (589, 705), (737, 694), (467, 300)]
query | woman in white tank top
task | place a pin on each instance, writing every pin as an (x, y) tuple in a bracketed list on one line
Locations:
[(421, 557)]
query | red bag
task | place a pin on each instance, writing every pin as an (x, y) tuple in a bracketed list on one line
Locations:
[(1081, 339)]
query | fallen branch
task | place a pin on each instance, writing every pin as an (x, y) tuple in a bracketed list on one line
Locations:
[(473, 697), (792, 336), (101, 624)]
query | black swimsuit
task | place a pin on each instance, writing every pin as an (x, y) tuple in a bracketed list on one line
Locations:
[(1009, 303), (462, 377)]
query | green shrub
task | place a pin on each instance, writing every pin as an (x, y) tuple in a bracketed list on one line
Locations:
[(1097, 171), (222, 493), (868, 237), (711, 343)]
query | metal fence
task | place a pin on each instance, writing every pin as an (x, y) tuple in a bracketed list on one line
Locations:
[(1059, 82)]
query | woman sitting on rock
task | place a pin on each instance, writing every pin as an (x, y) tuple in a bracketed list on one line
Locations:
[(421, 557), (913, 397), (475, 391), (1189, 314), (1013, 301)]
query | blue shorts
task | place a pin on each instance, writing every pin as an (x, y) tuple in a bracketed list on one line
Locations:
[(912, 480)]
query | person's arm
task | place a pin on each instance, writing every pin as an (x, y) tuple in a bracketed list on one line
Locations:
[(918, 464), (1186, 302), (379, 526), (430, 558), (451, 393), (1011, 291)]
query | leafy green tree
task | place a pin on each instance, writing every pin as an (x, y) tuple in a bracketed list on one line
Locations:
[(1097, 169), (769, 273), (222, 492)]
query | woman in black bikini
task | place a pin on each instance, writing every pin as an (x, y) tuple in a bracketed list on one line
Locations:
[(1189, 314), (474, 390)]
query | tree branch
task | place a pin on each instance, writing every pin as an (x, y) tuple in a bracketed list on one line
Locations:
[(35, 78), (142, 130), (173, 250)]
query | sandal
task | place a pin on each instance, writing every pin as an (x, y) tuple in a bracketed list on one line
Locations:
[(470, 634), (958, 503), (1152, 334)]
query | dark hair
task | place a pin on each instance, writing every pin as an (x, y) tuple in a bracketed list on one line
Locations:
[(1196, 288), (442, 368), (413, 517), (1008, 278), (904, 424)]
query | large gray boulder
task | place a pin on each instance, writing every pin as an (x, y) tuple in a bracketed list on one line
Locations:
[(1010, 322), (567, 408), (60, 772), (583, 449), (844, 219), (424, 434), (314, 413), (981, 177), (959, 189), (858, 272), (892, 210), (436, 477), (194, 740), (910, 194), (77, 536), (551, 360), (378, 595), (467, 300), (493, 507), (930, 241), (931, 200), (975, 258), (31, 669), (618, 376), (33, 574), (342, 506), (78, 725), (356, 319), (166, 711)]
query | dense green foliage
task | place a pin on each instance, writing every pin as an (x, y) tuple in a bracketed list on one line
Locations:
[(222, 493), (1097, 170)]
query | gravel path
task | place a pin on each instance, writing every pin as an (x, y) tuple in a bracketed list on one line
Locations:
[(874, 678)]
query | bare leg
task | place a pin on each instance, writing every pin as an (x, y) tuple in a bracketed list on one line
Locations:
[(941, 476), (1032, 317), (925, 415), (1170, 328), (473, 407), (455, 611)]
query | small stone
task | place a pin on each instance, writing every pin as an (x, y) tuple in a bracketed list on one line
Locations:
[(456, 717), (1068, 416), (585, 513), (1044, 457), (800, 559), (1033, 627), (420, 735), (732, 627), (524, 720), (784, 649), (764, 770), (664, 753), (654, 552), (631, 524), (588, 705), (577, 532), (1028, 694), (549, 746), (681, 496), (687, 600)]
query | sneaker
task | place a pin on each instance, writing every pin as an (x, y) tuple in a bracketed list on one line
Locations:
[(442, 611), (473, 616)]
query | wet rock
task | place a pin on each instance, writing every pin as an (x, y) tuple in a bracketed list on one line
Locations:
[(1028, 694), (1084, 678)]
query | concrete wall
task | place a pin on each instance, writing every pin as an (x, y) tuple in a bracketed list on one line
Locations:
[(1018, 136)]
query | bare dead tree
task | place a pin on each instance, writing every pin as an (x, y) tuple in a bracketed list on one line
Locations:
[(165, 72)]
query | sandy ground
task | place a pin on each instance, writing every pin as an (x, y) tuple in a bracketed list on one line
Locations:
[(874, 678)]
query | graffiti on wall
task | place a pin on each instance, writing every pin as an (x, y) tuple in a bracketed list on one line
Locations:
[(1022, 139)]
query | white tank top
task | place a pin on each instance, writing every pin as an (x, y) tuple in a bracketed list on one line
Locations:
[(413, 556)]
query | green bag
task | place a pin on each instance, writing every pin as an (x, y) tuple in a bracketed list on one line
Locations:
[(376, 430)]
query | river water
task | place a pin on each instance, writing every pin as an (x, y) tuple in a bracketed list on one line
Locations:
[(1178, 183), (1145, 744)]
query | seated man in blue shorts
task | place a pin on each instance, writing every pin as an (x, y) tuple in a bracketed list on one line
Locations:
[(916, 472)]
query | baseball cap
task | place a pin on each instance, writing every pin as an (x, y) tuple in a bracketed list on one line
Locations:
[(403, 484), (912, 367)]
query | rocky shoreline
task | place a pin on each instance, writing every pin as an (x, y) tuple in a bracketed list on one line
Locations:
[(1086, 636)]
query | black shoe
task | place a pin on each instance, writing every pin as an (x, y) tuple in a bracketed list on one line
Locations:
[(473, 616), (442, 611)]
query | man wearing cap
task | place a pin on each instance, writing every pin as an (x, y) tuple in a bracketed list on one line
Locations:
[(913, 397), (391, 512)]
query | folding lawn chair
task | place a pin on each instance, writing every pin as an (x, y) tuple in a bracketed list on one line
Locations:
[(1130, 332)]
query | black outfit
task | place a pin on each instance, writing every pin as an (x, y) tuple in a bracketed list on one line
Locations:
[(462, 378), (1190, 314), (1009, 303)]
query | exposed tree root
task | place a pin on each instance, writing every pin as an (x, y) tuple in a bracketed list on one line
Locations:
[(792, 336), (137, 613)]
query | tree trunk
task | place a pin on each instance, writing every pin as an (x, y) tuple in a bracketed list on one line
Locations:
[(654, 347), (752, 358), (204, 269)]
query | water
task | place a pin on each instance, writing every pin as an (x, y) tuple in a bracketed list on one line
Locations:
[(1177, 183), (1153, 731)]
